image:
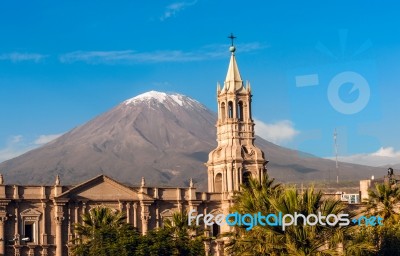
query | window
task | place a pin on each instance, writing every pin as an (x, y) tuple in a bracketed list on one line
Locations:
[(240, 111), (166, 215), (215, 230), (218, 183), (246, 178), (30, 226), (223, 111), (351, 198), (28, 232), (230, 106)]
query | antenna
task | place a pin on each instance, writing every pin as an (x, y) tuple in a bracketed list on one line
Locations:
[(336, 153)]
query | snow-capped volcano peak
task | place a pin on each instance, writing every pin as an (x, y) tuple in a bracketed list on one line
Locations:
[(159, 96), (164, 98)]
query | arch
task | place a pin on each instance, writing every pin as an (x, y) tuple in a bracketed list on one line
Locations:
[(230, 109), (218, 183), (223, 111), (240, 111), (246, 178), (166, 215), (215, 212), (215, 228)]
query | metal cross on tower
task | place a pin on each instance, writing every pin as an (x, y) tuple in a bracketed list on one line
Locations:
[(232, 37)]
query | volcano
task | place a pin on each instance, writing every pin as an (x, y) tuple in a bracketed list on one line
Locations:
[(164, 137)]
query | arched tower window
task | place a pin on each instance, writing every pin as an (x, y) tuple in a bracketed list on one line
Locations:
[(246, 178), (223, 111), (218, 183), (215, 230), (240, 111), (230, 106)]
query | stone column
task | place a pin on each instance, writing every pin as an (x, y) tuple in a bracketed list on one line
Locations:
[(44, 250), (70, 223), (135, 215), (31, 251), (220, 248), (17, 250), (229, 178), (145, 217), (224, 180), (58, 218), (128, 212), (16, 227), (76, 215), (44, 235), (210, 181), (157, 216), (240, 176), (59, 246), (207, 247), (3, 219), (204, 214), (84, 206)]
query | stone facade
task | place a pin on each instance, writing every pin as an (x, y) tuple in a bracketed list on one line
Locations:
[(38, 220)]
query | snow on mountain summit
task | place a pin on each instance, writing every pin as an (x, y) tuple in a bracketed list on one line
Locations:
[(163, 98), (159, 96)]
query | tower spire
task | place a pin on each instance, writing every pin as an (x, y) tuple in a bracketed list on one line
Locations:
[(233, 80), (236, 158)]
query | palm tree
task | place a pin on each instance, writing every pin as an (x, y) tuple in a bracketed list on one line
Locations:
[(254, 197), (185, 238), (303, 239), (98, 218), (104, 231), (267, 197), (179, 225), (382, 201)]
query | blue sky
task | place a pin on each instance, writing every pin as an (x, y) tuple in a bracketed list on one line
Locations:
[(63, 63)]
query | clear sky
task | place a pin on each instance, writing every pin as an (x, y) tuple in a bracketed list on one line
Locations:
[(313, 65)]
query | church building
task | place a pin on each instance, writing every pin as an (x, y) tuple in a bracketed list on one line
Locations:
[(39, 220)]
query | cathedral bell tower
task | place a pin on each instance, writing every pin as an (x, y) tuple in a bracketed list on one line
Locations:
[(236, 158)]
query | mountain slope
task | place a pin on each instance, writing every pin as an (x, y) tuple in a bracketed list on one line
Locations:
[(163, 137)]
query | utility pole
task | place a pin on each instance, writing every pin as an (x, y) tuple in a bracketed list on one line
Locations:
[(336, 153)]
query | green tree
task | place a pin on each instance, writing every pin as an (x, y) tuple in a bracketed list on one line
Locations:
[(303, 239), (179, 226), (185, 237), (254, 197), (105, 232), (177, 237), (156, 242), (267, 197), (382, 201)]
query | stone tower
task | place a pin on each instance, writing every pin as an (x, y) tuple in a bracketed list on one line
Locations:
[(236, 158)]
